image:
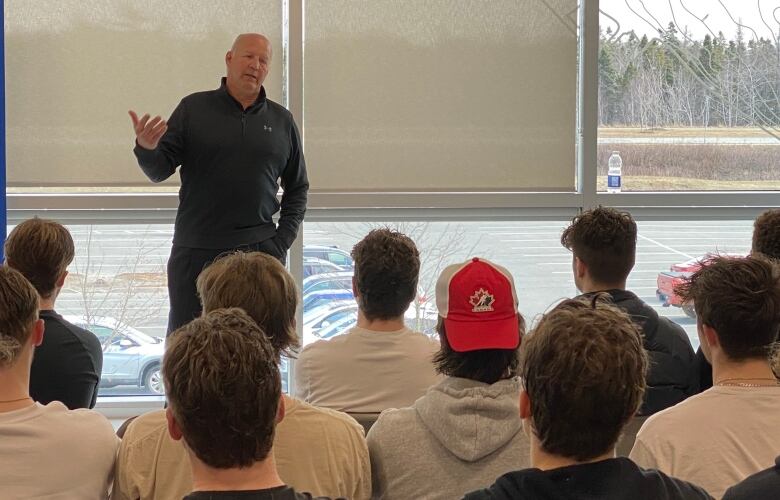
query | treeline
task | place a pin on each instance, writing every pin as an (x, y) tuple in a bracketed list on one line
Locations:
[(674, 80)]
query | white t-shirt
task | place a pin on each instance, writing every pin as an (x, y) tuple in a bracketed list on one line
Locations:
[(54, 453), (715, 439), (365, 371)]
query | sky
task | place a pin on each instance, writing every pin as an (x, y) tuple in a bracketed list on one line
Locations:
[(647, 14)]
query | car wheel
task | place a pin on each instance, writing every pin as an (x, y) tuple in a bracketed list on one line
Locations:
[(153, 380), (689, 310)]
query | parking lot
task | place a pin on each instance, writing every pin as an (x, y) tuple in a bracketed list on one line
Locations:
[(119, 270)]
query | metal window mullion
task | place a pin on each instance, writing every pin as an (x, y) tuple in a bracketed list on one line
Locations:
[(295, 94), (588, 102)]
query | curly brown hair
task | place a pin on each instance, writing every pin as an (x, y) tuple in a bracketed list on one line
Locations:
[(224, 387), (605, 240), (41, 250), (260, 285), (18, 310), (766, 234), (583, 367), (485, 365), (739, 297), (387, 266)]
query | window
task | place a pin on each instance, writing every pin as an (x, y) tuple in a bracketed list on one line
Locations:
[(107, 57), (688, 95)]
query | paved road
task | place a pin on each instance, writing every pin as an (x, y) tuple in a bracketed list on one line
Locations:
[(530, 250)]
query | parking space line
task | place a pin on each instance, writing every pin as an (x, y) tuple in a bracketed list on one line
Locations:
[(666, 247)]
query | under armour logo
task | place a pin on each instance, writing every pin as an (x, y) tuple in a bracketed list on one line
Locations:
[(267, 128)]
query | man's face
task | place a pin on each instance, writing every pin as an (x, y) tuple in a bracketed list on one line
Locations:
[(247, 64)]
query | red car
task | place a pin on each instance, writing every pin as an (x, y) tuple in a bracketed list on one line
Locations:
[(668, 280)]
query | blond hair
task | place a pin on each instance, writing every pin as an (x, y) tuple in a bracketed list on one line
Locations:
[(18, 310), (260, 285), (41, 250)]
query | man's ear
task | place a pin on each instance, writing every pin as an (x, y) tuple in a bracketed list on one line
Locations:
[(37, 334), (61, 280), (354, 287), (173, 427), (710, 335), (525, 404), (580, 269), (280, 410), (228, 57)]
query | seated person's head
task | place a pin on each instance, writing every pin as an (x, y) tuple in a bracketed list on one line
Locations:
[(387, 265), (737, 302), (41, 250), (223, 387), (603, 246), (479, 326), (260, 285), (20, 328), (583, 371), (766, 234)]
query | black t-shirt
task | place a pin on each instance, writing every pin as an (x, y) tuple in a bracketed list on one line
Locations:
[(760, 486), (278, 493), (612, 479), (67, 365)]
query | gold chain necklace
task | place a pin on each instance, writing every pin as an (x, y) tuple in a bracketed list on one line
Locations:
[(732, 382)]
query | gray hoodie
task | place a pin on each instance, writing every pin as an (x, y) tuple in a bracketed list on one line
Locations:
[(460, 436)]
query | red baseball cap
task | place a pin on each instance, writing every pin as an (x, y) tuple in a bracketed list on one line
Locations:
[(478, 302)]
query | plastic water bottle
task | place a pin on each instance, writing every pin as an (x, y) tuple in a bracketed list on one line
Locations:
[(614, 174)]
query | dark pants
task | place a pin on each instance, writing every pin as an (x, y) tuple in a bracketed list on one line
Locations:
[(184, 266)]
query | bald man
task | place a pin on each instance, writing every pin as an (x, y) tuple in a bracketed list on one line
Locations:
[(235, 147)]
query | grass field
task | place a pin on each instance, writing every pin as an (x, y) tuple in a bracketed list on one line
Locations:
[(632, 132), (651, 183)]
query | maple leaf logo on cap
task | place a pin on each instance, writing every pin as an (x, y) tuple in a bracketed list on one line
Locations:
[(482, 301)]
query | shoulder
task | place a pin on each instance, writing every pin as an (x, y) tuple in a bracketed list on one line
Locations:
[(80, 424), (674, 488), (670, 422), (202, 96), (762, 484), (420, 339), (336, 345), (392, 421), (149, 426), (508, 486), (334, 420), (276, 108)]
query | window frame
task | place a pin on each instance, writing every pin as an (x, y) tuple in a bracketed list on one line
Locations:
[(155, 208)]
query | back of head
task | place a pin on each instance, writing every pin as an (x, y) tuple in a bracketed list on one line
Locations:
[(605, 240), (740, 299), (766, 234), (260, 285), (224, 387), (18, 311), (387, 265), (41, 250), (479, 325), (583, 367)]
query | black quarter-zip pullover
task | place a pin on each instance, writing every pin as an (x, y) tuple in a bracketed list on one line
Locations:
[(232, 160)]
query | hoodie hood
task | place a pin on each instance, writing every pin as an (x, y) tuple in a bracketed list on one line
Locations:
[(471, 419)]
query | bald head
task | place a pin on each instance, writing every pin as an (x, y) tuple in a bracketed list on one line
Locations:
[(247, 64), (245, 38)]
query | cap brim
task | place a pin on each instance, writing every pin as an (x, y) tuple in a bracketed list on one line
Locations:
[(465, 336)]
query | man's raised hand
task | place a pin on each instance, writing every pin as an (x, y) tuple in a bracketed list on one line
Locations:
[(148, 132)]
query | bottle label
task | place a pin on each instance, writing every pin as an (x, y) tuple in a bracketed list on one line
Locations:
[(613, 181)]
